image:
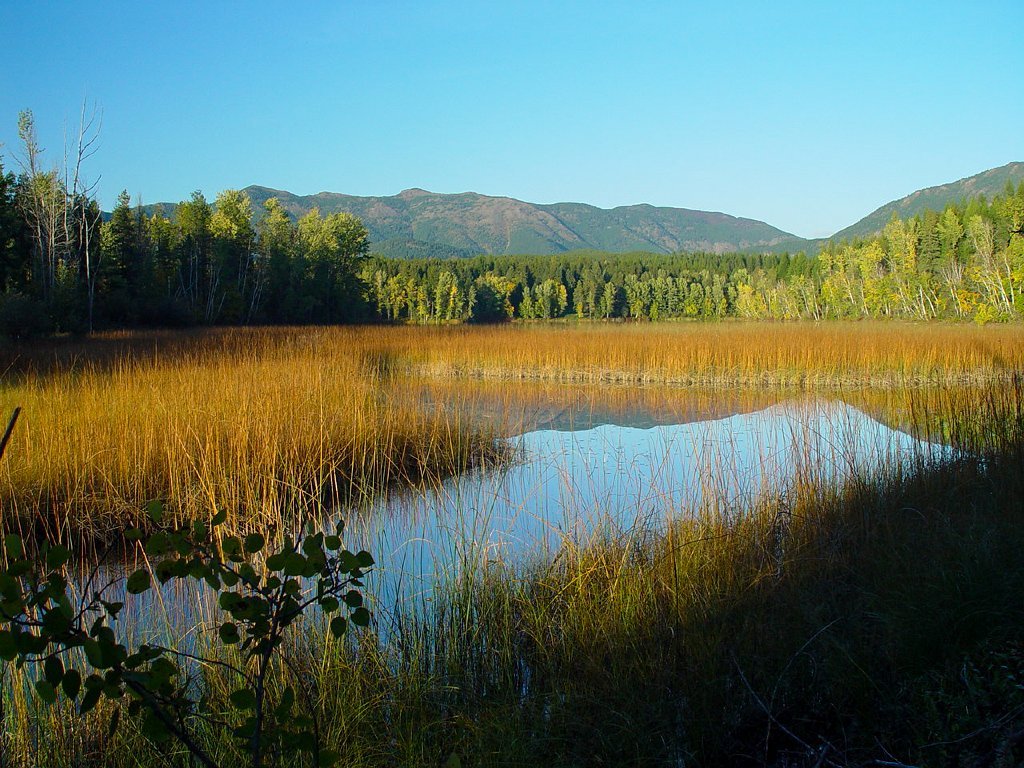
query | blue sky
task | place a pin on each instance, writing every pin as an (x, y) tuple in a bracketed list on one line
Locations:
[(804, 115)]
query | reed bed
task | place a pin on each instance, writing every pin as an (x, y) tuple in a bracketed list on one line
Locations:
[(843, 625), (825, 355), (262, 420), (838, 624), (262, 430)]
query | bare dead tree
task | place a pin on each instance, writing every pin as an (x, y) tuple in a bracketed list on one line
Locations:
[(79, 223), (42, 204)]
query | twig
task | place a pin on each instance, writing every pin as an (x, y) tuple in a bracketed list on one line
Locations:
[(10, 429), (783, 728)]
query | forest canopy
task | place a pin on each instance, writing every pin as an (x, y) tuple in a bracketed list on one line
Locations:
[(66, 267)]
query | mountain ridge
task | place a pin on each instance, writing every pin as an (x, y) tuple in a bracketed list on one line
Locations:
[(497, 225), (418, 223), (988, 183)]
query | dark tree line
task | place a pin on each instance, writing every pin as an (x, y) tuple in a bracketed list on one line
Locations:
[(66, 268), (63, 268)]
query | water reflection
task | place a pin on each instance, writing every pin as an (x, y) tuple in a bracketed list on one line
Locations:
[(581, 475)]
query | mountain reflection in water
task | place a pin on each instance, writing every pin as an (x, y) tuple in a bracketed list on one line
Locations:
[(575, 480), (578, 477)]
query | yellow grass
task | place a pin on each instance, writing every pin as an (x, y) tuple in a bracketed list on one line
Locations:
[(261, 422), (726, 354), (256, 430)]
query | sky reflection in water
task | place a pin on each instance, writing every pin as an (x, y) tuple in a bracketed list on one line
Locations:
[(575, 478), (574, 484)]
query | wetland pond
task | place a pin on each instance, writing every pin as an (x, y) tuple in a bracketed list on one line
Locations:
[(582, 472)]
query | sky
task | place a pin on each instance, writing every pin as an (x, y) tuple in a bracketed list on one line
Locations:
[(805, 115)]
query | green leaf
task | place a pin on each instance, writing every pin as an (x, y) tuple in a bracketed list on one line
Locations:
[(94, 653), (112, 608), (56, 622), (114, 720), (361, 617), (8, 646), (284, 707), (158, 544), (12, 543), (453, 761), (243, 698), (364, 558), (254, 542), (312, 544), (353, 599), (248, 574), (53, 670), (46, 691), (229, 633), (219, 519), (57, 556), (154, 728), (338, 626), (246, 729), (276, 562), (231, 545), (199, 529), (89, 701), (72, 683), (134, 534), (347, 561), (329, 604), (333, 543), (138, 582), (155, 510), (328, 758), (294, 564)]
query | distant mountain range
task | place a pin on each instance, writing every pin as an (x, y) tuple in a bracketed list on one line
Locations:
[(417, 223), (421, 222)]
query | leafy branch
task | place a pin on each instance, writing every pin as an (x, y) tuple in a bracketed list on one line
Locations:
[(262, 592)]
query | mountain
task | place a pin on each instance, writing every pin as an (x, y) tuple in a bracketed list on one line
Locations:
[(420, 223), (989, 183), (416, 223)]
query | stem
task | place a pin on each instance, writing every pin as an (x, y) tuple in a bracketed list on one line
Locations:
[(179, 733), (10, 429)]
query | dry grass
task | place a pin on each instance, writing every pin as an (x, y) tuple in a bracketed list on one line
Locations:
[(711, 355), (258, 429), (689, 644), (262, 421)]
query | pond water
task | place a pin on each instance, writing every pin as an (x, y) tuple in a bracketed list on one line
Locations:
[(579, 475)]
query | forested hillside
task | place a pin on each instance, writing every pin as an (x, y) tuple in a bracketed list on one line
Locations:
[(986, 184), (64, 268), (966, 262), (415, 220)]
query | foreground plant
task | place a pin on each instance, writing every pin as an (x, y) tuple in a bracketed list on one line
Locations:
[(262, 591)]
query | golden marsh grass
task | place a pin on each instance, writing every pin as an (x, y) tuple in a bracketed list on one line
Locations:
[(260, 421), (651, 647)]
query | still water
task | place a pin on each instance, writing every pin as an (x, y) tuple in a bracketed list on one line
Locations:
[(576, 475), (580, 475)]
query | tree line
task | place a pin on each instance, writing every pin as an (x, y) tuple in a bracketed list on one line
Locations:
[(963, 263), (66, 267)]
